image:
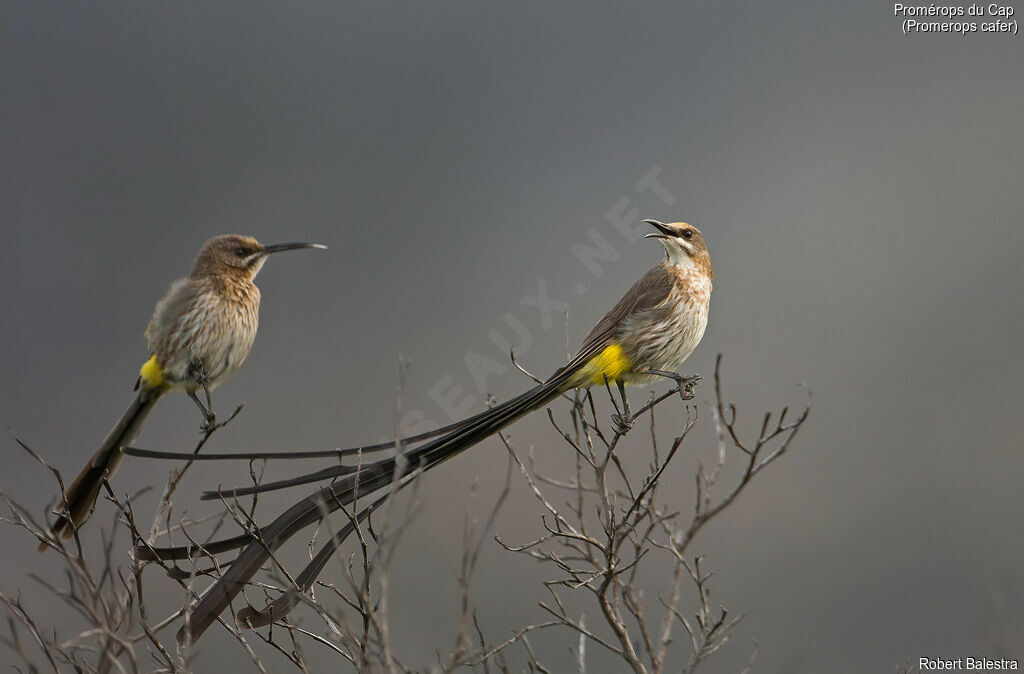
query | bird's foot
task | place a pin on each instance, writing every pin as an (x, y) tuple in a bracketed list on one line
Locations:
[(686, 386), (209, 424), (622, 423), (685, 383)]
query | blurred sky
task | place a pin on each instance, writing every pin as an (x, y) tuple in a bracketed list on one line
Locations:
[(860, 192)]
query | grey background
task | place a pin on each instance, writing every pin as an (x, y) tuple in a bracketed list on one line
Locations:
[(860, 192)]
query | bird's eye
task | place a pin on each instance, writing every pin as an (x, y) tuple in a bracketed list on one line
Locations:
[(687, 233), (240, 252)]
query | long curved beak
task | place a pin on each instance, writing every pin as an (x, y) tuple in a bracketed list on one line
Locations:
[(279, 247), (663, 232)]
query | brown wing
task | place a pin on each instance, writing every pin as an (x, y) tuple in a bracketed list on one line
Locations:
[(168, 315), (651, 290)]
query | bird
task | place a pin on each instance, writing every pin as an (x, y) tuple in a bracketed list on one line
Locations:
[(648, 334), (201, 331)]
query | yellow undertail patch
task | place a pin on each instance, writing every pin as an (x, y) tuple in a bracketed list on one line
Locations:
[(611, 363), (151, 374)]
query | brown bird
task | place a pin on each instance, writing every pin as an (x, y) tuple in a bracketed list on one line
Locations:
[(648, 334), (201, 332)]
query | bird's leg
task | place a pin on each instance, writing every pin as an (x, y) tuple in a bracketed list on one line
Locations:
[(685, 384), (623, 421), (206, 392), (210, 419), (625, 398), (199, 374)]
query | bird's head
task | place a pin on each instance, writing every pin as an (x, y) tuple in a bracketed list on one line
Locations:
[(236, 254), (684, 245)]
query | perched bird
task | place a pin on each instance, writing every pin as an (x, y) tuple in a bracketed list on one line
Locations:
[(201, 332), (648, 334)]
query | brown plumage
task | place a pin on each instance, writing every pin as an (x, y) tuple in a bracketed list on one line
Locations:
[(655, 326), (201, 331)]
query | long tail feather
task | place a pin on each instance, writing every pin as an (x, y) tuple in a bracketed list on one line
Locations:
[(322, 475), (345, 491), (561, 379), (282, 605), (146, 553), (316, 454), (81, 496), (183, 552), (316, 476)]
